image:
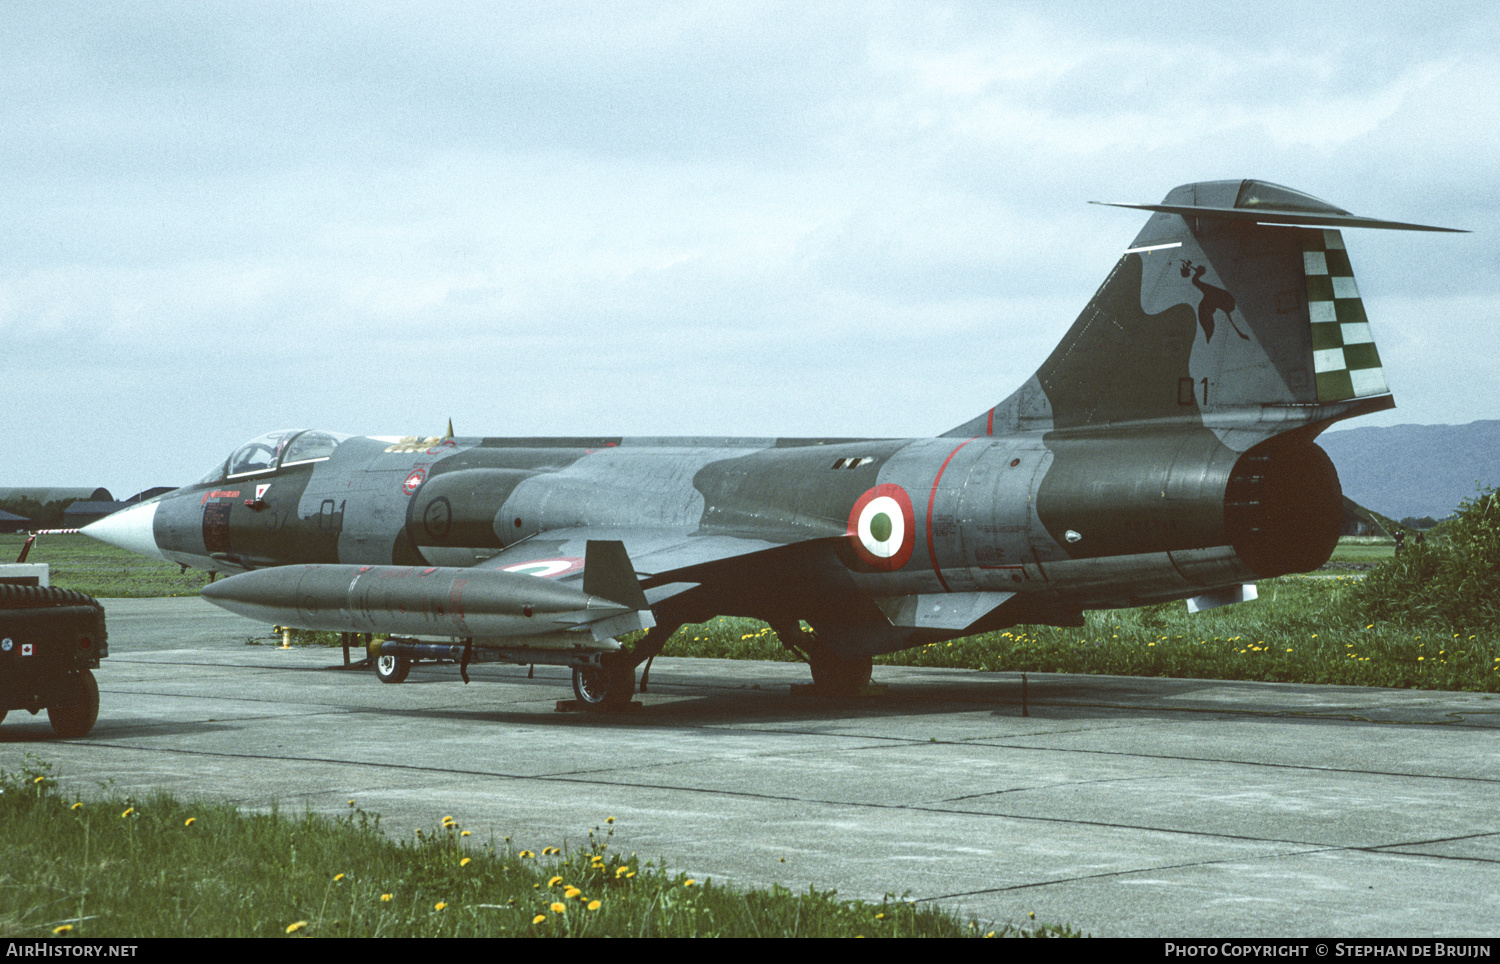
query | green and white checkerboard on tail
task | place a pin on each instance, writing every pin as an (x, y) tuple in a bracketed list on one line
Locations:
[(1345, 360)]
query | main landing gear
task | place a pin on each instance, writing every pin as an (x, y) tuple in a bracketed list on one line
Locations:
[(834, 673), (840, 675)]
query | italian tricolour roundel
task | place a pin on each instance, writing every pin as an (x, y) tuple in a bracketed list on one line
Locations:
[(547, 568), (882, 527)]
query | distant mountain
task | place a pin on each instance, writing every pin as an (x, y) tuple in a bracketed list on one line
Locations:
[(1415, 470)]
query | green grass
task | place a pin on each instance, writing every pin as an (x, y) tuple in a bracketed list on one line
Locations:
[(163, 867), (1302, 629), (1361, 552), (90, 566)]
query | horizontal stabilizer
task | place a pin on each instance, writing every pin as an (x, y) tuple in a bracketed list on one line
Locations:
[(1270, 216)]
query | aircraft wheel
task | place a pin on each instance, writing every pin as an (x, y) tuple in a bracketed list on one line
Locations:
[(840, 675), (392, 669), (605, 687), (72, 722)]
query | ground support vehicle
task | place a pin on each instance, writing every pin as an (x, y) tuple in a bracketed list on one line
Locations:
[(51, 641)]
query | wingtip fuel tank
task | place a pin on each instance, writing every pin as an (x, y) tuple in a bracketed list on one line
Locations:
[(429, 601)]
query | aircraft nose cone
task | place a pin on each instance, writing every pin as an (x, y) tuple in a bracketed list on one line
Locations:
[(130, 529)]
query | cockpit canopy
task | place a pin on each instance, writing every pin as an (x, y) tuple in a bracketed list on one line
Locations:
[(276, 450)]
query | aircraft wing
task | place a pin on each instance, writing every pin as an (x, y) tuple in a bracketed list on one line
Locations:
[(666, 560), (670, 562)]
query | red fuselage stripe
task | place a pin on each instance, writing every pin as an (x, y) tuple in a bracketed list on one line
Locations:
[(931, 500)]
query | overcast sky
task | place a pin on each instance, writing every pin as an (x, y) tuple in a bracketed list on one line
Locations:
[(675, 219)]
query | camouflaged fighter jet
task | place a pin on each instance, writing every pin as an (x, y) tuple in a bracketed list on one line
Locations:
[(1163, 451)]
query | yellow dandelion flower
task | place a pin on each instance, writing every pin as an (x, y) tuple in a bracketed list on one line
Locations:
[(62, 929), (559, 908), (128, 812), (351, 803), (689, 882), (554, 881), (539, 918), (440, 905), (594, 905), (465, 861), (463, 833), (338, 877), (38, 780), (609, 819), (294, 928), (620, 871), (526, 855), (77, 806), (189, 821), (572, 893), (387, 898)]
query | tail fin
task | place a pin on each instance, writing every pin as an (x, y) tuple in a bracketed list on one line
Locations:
[(1234, 309)]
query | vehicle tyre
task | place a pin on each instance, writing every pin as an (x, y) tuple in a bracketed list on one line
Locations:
[(71, 722), (839, 675), (392, 669), (604, 688)]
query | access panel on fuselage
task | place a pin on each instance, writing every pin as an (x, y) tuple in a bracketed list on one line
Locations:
[(996, 509)]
